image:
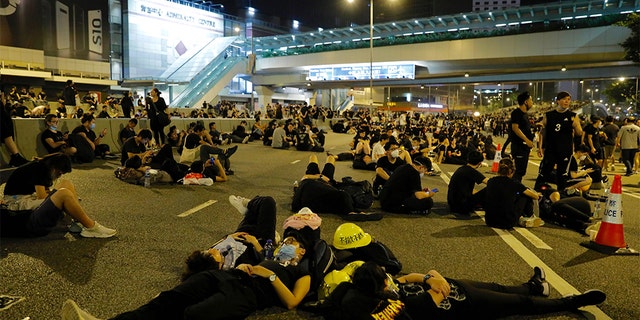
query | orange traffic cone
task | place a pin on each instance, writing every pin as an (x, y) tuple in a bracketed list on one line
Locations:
[(610, 237), (496, 160)]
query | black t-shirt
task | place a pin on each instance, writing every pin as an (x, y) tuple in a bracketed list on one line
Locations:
[(461, 185), (56, 136), (81, 129), (611, 130), (501, 193), (264, 289), (132, 146), (520, 118), (385, 164), (590, 129), (25, 179), (126, 133), (403, 183)]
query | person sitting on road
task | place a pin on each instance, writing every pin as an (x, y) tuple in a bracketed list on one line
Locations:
[(279, 140), (55, 141), (240, 135), (373, 294), (206, 169), (508, 202), (128, 131), (198, 146), (317, 192), (570, 212), (161, 159), (228, 294), (267, 139), (85, 132), (385, 166), (378, 151), (306, 141), (461, 197), (34, 209), (362, 152), (577, 179), (403, 192)]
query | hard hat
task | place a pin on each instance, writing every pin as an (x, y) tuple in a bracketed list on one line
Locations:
[(331, 281), (350, 236), (350, 268)]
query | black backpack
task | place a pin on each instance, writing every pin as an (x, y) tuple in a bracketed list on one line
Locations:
[(320, 261), (375, 251), (360, 191)]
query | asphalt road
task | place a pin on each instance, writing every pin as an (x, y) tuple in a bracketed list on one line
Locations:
[(109, 276)]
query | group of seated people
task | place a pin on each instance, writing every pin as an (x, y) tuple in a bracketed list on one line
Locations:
[(255, 282), (240, 275)]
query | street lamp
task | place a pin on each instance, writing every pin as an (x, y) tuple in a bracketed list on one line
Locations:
[(370, 51)]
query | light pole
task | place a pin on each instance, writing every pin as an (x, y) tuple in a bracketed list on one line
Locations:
[(370, 51)]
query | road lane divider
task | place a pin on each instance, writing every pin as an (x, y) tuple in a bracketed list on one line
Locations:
[(197, 208)]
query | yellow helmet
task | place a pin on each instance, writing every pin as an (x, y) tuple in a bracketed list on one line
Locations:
[(351, 267), (350, 236), (331, 281)]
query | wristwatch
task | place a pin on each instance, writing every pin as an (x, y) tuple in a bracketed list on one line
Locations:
[(426, 277), (273, 277)]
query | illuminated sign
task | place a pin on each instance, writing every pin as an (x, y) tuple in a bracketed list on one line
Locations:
[(363, 72), (177, 13), (95, 30), (430, 106)]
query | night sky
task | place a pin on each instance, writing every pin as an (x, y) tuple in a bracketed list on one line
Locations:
[(341, 13)]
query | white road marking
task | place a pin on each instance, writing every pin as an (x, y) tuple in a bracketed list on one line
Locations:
[(532, 238), (561, 285), (197, 208), (295, 161)]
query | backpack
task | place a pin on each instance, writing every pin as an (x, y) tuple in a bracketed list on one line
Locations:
[(320, 261), (360, 191), (375, 251)]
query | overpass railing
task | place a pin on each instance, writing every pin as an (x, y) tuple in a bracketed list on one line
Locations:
[(554, 16)]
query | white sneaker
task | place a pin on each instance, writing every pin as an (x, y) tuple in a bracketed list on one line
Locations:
[(531, 222), (240, 203), (71, 311), (245, 140), (98, 231)]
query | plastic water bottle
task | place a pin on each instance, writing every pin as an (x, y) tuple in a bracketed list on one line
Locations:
[(536, 208), (147, 179), (268, 250), (596, 210)]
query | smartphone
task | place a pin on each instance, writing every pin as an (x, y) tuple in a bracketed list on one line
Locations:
[(434, 190)]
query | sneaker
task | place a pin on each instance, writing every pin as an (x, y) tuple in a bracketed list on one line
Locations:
[(229, 172), (75, 227), (538, 282), (230, 151), (71, 311), (98, 231), (240, 203), (434, 173), (531, 222), (588, 298), (17, 160), (593, 228), (245, 140)]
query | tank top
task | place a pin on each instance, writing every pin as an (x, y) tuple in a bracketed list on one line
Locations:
[(559, 132)]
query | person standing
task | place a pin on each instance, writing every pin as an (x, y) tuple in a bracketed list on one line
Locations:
[(556, 143), (521, 135), (69, 95), (155, 105), (127, 104), (610, 130), (591, 138), (627, 141)]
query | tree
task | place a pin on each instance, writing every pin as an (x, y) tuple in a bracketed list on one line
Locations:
[(621, 91), (632, 44)]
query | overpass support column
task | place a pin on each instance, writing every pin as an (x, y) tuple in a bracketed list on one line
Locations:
[(265, 95)]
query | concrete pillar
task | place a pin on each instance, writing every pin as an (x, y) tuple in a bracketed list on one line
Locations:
[(265, 95)]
